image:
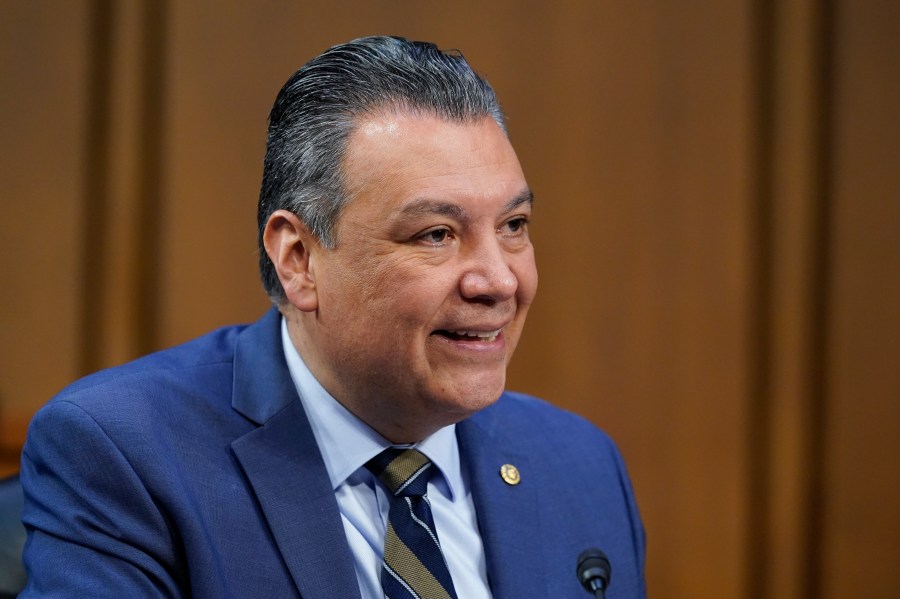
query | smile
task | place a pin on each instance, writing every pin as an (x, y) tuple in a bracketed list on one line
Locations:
[(486, 336)]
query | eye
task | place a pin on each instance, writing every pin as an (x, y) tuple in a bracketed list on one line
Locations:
[(437, 236), (515, 226)]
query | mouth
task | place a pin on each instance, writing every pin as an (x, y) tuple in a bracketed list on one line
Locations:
[(482, 336)]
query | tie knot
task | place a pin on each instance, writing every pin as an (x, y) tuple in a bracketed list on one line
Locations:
[(404, 472)]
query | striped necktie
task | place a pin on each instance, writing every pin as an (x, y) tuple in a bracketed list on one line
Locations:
[(413, 567)]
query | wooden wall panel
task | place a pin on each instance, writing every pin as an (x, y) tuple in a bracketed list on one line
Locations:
[(860, 511), (123, 212), (788, 400), (43, 101)]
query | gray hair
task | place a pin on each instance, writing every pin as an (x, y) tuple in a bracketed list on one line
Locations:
[(321, 105)]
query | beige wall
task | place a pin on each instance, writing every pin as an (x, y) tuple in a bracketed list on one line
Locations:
[(717, 227)]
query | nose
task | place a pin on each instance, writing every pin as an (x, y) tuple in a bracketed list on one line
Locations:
[(487, 276)]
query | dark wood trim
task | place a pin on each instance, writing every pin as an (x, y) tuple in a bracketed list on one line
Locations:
[(95, 205), (151, 147), (820, 308)]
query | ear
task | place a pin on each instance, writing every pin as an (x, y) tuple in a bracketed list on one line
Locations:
[(288, 243)]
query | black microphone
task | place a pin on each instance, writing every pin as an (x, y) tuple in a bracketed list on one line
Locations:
[(594, 571)]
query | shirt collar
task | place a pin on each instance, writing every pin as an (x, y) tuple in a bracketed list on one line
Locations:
[(346, 442)]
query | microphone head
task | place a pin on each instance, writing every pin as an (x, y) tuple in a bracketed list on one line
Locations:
[(593, 570)]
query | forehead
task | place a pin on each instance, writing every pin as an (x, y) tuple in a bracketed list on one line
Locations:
[(406, 157)]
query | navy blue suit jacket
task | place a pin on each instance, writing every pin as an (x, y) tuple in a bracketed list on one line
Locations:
[(194, 472)]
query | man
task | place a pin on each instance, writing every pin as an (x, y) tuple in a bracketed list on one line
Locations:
[(258, 461)]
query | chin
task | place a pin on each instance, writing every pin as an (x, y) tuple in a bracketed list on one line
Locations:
[(476, 394)]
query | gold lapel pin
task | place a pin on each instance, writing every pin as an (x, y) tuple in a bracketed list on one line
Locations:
[(510, 474)]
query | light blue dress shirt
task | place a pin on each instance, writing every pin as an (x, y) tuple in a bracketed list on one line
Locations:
[(347, 443)]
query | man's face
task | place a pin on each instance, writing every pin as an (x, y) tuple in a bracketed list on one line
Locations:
[(422, 301)]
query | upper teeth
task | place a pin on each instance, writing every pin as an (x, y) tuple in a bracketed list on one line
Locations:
[(489, 336)]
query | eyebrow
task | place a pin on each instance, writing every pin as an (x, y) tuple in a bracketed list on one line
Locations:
[(428, 206), (526, 197)]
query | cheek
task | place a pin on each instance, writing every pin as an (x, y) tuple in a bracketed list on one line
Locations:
[(525, 270), (401, 290), (412, 275), (345, 290), (356, 276)]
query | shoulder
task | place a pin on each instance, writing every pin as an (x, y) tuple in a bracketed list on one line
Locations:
[(152, 404), (187, 367), (560, 442), (154, 418), (526, 416)]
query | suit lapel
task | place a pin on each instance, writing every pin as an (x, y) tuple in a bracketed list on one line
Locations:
[(508, 516), (282, 462), (289, 478)]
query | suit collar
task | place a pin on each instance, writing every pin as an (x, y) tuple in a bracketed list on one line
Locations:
[(284, 466), (262, 385), (508, 515)]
